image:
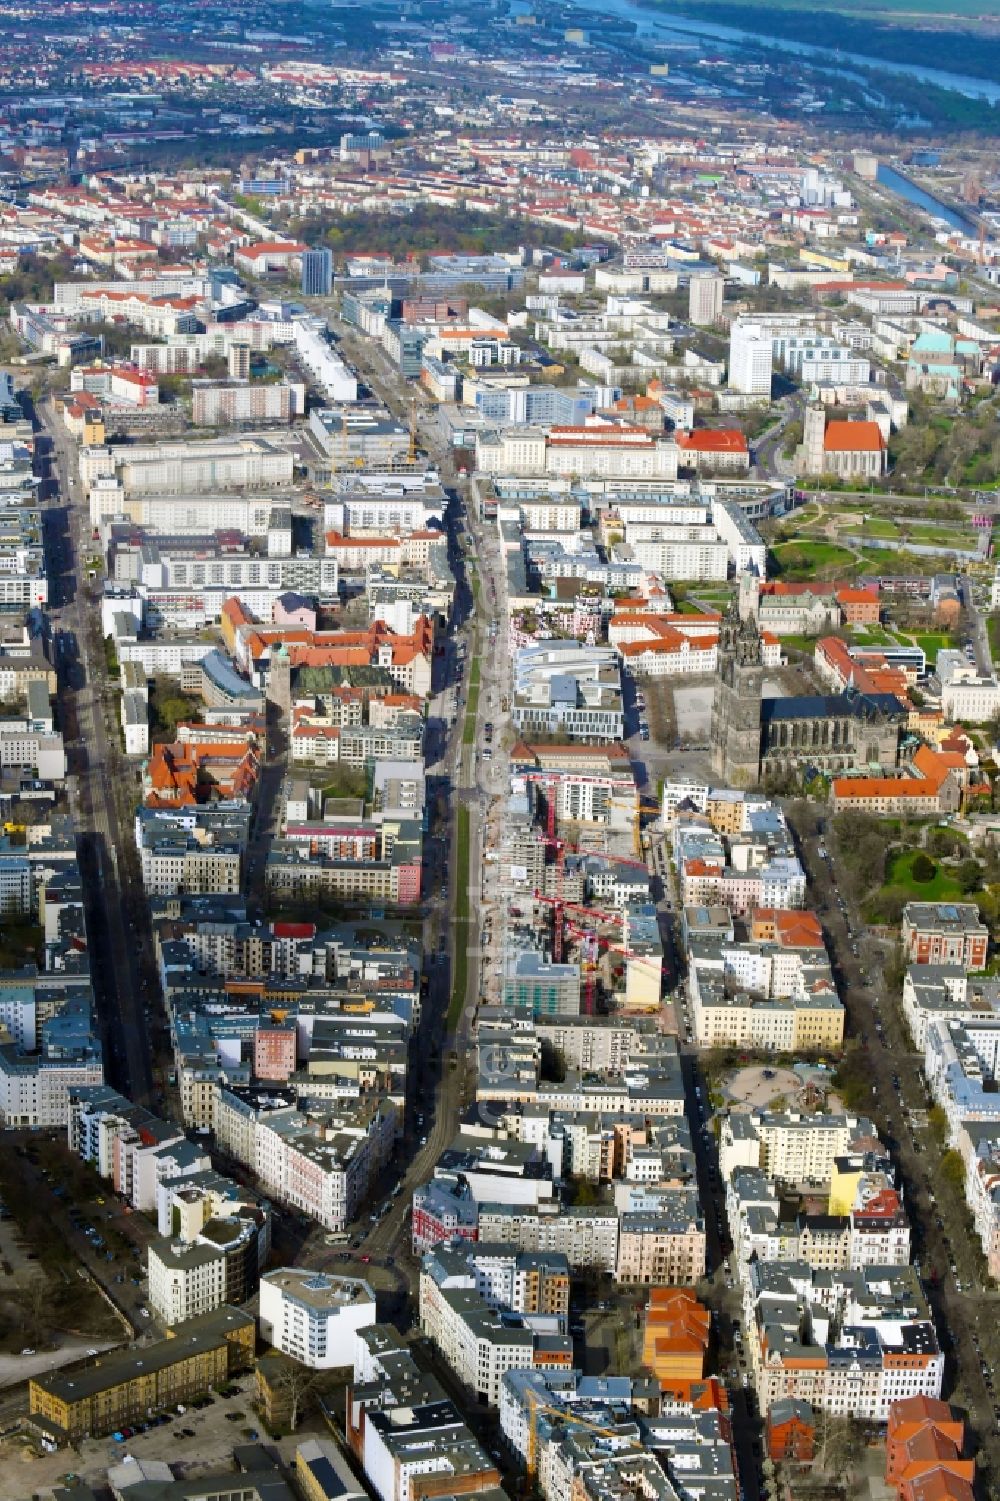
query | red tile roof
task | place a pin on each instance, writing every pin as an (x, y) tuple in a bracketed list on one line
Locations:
[(853, 437), (713, 440)]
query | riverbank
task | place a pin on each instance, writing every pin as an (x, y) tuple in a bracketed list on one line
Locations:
[(904, 187), (967, 60), (895, 47)]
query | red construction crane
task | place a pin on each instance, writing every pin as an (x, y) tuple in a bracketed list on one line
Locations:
[(591, 953), (595, 912), (588, 934), (558, 906), (549, 781), (621, 860)]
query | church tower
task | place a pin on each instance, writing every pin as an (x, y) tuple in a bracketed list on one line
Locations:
[(739, 689), (813, 440), (278, 688)]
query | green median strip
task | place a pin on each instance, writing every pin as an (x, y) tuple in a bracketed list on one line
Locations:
[(472, 706), (460, 968)]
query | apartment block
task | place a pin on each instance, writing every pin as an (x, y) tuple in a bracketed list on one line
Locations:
[(122, 1388), (313, 1317)]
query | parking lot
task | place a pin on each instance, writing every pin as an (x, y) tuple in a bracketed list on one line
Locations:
[(194, 1442)]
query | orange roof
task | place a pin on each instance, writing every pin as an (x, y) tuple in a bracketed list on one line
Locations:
[(667, 640), (713, 440), (235, 610), (930, 1443), (636, 404), (883, 1205), (137, 377), (882, 787), (812, 586), (853, 437), (184, 773), (798, 929), (917, 1410), (706, 1394), (338, 539), (938, 1485), (273, 247), (927, 756)]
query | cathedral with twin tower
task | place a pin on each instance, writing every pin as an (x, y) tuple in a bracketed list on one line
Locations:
[(755, 736)]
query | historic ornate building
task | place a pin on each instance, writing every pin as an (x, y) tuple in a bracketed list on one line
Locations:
[(739, 689), (753, 736)]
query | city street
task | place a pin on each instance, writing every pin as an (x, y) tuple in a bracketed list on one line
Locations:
[(898, 1108), (102, 785)]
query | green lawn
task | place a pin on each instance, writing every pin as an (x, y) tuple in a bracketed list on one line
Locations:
[(932, 643), (876, 527), (872, 635), (799, 643), (460, 969), (472, 706), (930, 536), (942, 888), (813, 559), (883, 560)]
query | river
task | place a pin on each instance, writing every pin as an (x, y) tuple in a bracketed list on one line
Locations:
[(655, 21), (897, 183)]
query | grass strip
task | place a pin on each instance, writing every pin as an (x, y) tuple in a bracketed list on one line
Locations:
[(460, 967)]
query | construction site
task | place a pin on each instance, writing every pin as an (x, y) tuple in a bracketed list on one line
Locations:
[(572, 912)]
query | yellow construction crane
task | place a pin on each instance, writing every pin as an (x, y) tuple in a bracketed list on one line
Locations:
[(564, 1414)]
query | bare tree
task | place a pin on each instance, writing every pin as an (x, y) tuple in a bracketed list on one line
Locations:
[(840, 1444), (35, 1307), (294, 1382)]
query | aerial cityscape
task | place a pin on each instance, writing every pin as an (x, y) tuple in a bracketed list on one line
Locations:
[(500, 751)]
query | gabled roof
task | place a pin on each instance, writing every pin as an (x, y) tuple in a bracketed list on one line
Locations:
[(853, 437), (713, 440)]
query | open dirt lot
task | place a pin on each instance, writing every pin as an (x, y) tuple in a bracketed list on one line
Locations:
[(693, 710)]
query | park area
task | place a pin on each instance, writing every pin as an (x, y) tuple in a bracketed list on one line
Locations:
[(736, 1080), (888, 863), (812, 560), (841, 536), (925, 879)]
